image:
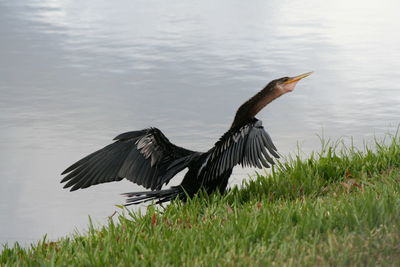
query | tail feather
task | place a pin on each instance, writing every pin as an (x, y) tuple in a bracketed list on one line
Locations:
[(160, 196)]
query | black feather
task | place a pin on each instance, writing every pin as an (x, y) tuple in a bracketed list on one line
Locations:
[(147, 158)]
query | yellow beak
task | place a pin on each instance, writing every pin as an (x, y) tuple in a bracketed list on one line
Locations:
[(298, 78)]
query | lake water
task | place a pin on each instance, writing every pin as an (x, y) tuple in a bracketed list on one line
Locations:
[(74, 74)]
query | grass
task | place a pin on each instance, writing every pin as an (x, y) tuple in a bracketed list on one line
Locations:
[(338, 207)]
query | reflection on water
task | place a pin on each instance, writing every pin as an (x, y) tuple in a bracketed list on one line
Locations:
[(73, 74)]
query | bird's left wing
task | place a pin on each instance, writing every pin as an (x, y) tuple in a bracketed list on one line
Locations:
[(143, 157), (250, 145)]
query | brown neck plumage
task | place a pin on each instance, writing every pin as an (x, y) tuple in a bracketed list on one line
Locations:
[(251, 107)]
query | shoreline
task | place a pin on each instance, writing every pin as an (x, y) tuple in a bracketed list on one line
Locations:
[(340, 206)]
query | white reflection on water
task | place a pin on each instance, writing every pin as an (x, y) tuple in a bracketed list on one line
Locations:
[(73, 74)]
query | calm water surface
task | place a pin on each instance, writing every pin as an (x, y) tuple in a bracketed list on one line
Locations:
[(74, 74)]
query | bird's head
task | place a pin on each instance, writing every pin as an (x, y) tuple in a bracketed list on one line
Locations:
[(273, 90), (286, 84)]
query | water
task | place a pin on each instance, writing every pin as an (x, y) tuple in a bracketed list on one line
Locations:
[(74, 74)]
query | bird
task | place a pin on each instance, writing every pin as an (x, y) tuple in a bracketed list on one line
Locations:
[(147, 158)]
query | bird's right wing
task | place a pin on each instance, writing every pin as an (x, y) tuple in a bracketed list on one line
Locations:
[(142, 157), (250, 145)]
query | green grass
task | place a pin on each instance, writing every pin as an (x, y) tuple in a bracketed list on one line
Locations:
[(338, 207)]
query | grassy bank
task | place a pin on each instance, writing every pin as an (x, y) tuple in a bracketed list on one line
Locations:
[(338, 207)]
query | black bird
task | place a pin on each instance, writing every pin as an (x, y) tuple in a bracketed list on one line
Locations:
[(149, 159)]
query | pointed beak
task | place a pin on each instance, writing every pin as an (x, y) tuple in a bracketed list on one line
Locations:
[(298, 78)]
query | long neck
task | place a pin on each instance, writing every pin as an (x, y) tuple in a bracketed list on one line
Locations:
[(251, 107)]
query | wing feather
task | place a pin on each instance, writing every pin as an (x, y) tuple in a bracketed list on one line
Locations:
[(271, 147), (249, 145), (142, 157)]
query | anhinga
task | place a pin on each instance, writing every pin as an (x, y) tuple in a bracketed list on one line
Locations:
[(149, 159)]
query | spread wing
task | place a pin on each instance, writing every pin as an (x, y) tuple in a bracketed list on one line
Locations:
[(250, 145), (142, 157)]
